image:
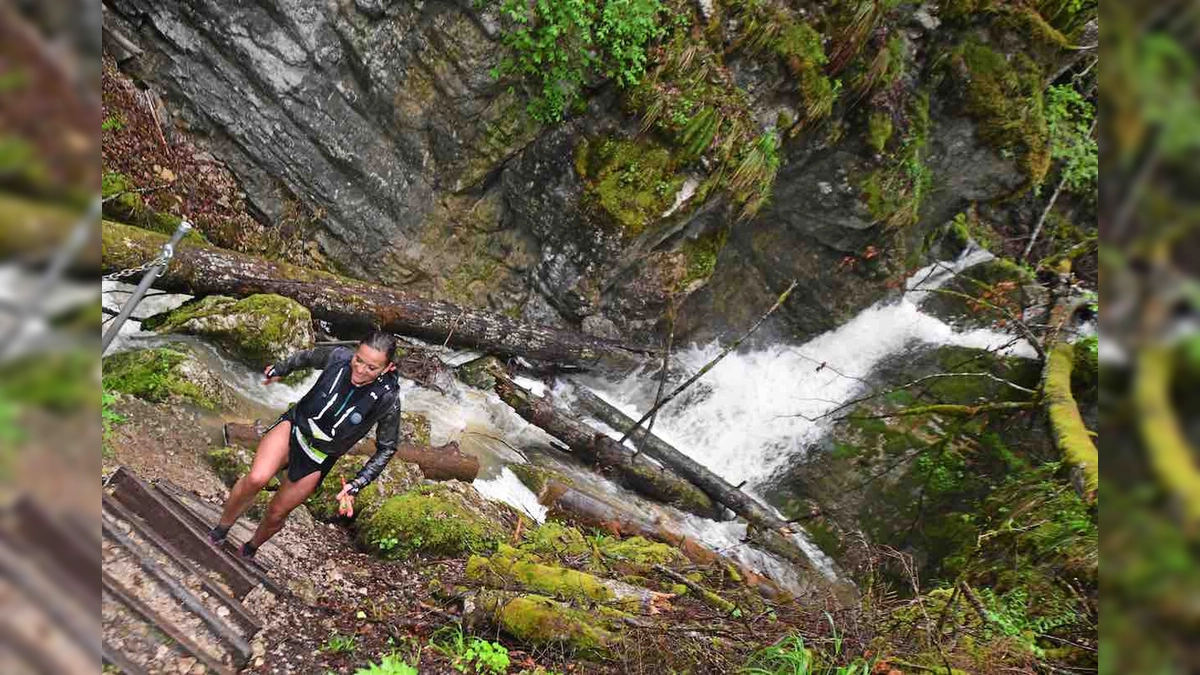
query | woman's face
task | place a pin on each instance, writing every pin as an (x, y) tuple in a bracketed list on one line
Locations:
[(367, 364)]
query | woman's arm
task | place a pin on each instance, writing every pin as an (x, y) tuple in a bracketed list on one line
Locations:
[(317, 357), (387, 435)]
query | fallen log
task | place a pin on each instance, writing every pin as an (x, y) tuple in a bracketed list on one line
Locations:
[(443, 462), (540, 621), (568, 503), (354, 304), (508, 569), (634, 472), (774, 534)]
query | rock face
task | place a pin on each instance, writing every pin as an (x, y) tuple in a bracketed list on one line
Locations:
[(425, 172)]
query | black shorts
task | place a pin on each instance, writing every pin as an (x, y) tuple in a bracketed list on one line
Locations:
[(299, 464)]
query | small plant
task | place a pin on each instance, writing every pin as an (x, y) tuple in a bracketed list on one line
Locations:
[(113, 123), (387, 543), (789, 656), (389, 665), (340, 644), (480, 655)]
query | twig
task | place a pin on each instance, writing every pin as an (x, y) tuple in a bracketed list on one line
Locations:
[(946, 409), (914, 383), (139, 191), (662, 381), (709, 366)]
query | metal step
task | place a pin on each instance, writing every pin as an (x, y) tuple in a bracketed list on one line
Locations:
[(182, 529), (142, 585)]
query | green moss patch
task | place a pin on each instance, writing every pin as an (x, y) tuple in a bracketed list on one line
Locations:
[(432, 520), (1004, 95), (633, 181), (152, 374)]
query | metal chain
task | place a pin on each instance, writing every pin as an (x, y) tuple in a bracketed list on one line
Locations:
[(162, 259)]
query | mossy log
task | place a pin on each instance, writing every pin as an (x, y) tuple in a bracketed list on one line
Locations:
[(538, 620), (633, 471), (36, 230), (443, 462), (566, 502), (508, 568), (1070, 433), (354, 304), (1171, 456), (771, 531)]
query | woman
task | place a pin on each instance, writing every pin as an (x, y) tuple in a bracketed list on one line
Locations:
[(358, 389)]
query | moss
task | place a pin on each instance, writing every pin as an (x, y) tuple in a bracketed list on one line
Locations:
[(58, 381), (229, 463), (539, 620), (879, 129), (430, 520), (1085, 374), (701, 255), (536, 477), (555, 541), (896, 189), (123, 203), (507, 567), (633, 181), (259, 329), (151, 374), (1070, 433), (1005, 97), (414, 428), (1171, 455)]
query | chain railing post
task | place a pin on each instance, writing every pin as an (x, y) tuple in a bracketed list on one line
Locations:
[(148, 278)]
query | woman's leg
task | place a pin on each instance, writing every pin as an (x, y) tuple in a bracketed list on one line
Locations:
[(290, 495), (272, 454)]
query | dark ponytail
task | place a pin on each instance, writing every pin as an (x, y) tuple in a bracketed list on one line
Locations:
[(383, 341)]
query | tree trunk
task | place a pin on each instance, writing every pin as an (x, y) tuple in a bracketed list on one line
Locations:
[(358, 305), (636, 473), (444, 462), (772, 531)]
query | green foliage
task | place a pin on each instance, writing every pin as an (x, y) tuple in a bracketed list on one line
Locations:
[(389, 665), (789, 656), (386, 543), (1069, 121), (478, 655), (108, 418), (340, 644), (702, 256), (560, 45), (755, 173), (113, 123)]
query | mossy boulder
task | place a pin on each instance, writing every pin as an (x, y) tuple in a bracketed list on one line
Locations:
[(445, 519), (556, 541), (397, 478), (162, 374), (478, 373), (414, 428), (258, 330)]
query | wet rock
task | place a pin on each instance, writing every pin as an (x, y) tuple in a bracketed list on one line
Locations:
[(258, 330)]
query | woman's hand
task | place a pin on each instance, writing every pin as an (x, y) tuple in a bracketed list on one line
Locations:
[(345, 501), (267, 372)]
